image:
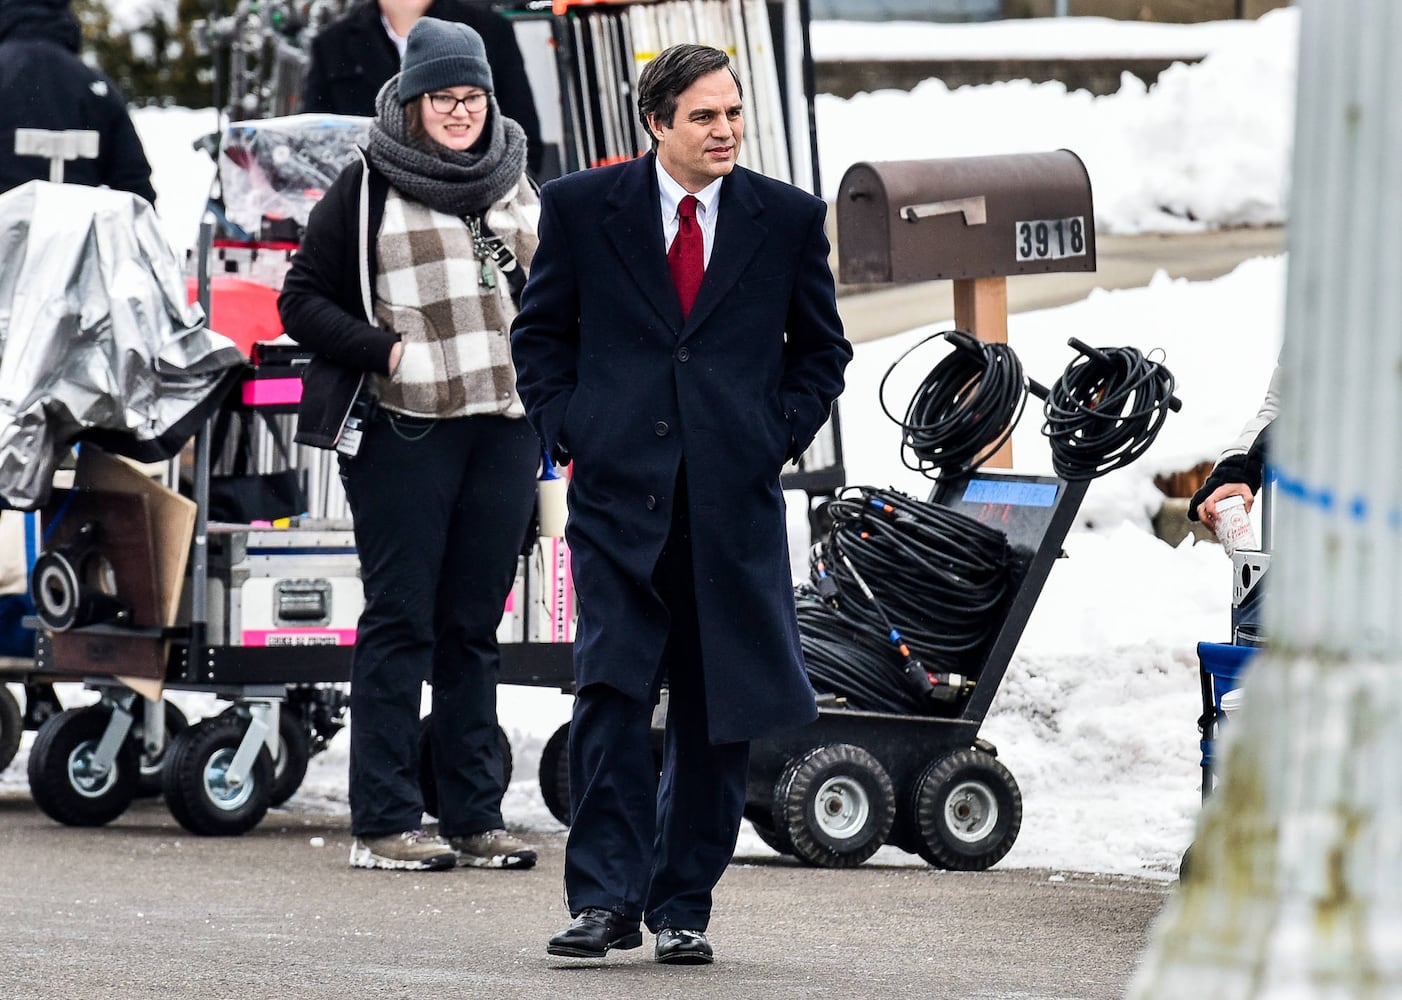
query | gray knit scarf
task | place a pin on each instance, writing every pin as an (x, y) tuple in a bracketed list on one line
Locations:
[(459, 183)]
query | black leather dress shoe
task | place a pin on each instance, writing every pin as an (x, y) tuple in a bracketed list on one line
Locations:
[(593, 933), (679, 947)]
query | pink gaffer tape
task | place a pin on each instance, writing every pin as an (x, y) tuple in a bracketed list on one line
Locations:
[(299, 637), (272, 392)]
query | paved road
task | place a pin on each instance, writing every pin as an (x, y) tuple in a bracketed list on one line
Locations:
[(141, 909), (869, 312)]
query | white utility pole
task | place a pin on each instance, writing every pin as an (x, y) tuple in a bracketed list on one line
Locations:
[(1295, 886)]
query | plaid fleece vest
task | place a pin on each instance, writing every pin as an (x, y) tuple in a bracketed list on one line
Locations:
[(456, 357)]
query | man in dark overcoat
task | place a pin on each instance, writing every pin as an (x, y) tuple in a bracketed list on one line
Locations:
[(678, 421), (352, 57)]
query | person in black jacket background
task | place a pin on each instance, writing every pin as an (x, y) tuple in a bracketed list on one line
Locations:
[(353, 57), (44, 84)]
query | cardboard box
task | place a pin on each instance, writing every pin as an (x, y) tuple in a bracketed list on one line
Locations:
[(147, 530)]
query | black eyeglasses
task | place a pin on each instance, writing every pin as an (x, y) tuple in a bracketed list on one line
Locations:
[(446, 104)]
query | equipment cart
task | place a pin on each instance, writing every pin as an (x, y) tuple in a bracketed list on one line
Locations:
[(835, 791), (832, 793), (267, 620)]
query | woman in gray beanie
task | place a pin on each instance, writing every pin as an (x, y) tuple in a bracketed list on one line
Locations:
[(405, 287)]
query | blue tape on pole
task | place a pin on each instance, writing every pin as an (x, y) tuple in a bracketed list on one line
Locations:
[(31, 539)]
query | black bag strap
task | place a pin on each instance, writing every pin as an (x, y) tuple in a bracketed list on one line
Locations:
[(487, 242)]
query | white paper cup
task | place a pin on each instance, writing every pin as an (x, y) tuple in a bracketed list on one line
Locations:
[(550, 504), (1234, 528)]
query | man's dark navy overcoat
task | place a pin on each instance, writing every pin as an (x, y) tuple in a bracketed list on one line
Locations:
[(613, 377)]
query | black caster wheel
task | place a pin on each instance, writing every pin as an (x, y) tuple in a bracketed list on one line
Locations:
[(196, 782), (148, 782), (966, 810), (428, 780), (555, 774), (61, 775), (11, 726), (294, 754), (294, 750), (835, 804), (762, 819)]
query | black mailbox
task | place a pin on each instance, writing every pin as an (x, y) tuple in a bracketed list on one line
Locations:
[(962, 218)]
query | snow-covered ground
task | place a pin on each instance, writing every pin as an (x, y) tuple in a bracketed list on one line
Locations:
[(1204, 147), (1096, 716)]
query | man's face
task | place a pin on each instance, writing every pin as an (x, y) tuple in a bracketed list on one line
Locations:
[(703, 141)]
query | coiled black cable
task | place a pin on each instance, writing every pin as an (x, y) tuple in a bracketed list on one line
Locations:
[(903, 597), (965, 408), (846, 661), (1105, 409)]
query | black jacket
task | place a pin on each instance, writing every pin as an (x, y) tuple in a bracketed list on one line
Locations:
[(352, 58), (43, 84), (1249, 469), (324, 304)]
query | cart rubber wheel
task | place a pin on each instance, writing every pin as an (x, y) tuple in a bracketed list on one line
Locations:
[(967, 811), (555, 774), (148, 780), (428, 781), (60, 769), (903, 834), (193, 780), (762, 819), (294, 753), (836, 805), (11, 726)]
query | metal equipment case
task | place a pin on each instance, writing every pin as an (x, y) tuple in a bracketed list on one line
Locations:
[(296, 586)]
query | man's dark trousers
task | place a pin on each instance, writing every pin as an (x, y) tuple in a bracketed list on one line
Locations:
[(650, 850)]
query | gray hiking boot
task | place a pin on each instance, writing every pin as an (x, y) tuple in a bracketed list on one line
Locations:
[(412, 850), (493, 849)]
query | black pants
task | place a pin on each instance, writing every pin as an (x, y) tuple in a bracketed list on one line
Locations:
[(642, 847), (441, 509)]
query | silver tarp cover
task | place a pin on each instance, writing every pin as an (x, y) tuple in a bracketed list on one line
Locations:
[(95, 332)]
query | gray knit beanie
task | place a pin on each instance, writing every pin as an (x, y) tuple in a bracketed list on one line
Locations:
[(442, 54)]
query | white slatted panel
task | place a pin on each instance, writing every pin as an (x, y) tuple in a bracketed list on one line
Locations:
[(1295, 888)]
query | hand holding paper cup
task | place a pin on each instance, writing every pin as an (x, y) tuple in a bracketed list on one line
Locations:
[(550, 500)]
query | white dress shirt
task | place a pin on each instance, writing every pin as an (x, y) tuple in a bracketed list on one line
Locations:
[(707, 209)]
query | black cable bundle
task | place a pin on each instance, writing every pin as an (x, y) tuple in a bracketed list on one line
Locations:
[(844, 660), (903, 594), (965, 408), (1105, 409)]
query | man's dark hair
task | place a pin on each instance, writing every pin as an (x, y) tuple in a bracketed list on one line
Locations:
[(671, 72)]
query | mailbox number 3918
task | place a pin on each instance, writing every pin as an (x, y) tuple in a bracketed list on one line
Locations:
[(1050, 239)]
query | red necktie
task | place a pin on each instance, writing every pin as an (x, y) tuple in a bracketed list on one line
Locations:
[(687, 258)]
